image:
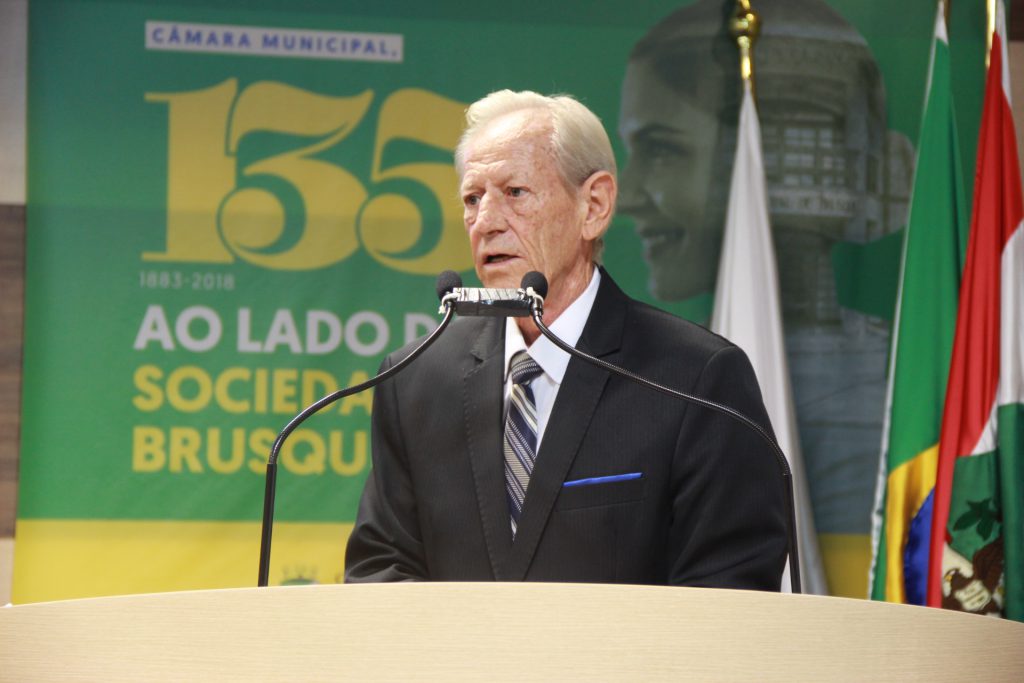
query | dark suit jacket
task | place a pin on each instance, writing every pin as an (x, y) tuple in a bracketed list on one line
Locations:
[(708, 509)]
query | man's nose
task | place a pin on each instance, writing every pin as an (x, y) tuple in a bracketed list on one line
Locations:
[(489, 215)]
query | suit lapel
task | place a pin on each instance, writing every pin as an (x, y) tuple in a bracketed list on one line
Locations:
[(482, 404), (571, 414)]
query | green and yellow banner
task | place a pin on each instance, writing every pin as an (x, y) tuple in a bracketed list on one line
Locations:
[(235, 208)]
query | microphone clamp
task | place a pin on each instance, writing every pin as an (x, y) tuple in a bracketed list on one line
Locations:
[(492, 302)]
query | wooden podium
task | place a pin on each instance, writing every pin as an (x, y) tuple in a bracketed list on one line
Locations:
[(515, 632)]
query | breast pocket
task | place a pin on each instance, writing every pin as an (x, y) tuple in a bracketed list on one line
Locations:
[(598, 491)]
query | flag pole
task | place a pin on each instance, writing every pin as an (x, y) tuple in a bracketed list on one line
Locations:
[(747, 223)]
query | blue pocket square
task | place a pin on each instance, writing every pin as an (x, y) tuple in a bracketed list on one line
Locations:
[(603, 480)]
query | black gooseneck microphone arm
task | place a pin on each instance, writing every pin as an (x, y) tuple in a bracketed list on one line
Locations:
[(536, 287), (446, 282)]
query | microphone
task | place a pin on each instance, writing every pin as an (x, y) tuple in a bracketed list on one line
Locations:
[(446, 283), (535, 287), (537, 282)]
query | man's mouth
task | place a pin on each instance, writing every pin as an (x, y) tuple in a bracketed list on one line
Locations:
[(498, 258)]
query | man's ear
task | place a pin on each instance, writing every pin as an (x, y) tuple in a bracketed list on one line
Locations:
[(598, 193)]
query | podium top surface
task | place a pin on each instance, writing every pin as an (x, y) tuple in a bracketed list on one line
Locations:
[(521, 632)]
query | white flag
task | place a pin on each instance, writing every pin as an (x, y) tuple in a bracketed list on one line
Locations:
[(747, 312)]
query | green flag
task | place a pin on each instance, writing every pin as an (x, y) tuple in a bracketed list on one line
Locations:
[(922, 341)]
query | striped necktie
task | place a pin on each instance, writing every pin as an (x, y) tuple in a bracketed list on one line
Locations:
[(520, 434)]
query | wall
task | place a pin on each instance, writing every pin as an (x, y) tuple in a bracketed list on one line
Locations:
[(13, 58)]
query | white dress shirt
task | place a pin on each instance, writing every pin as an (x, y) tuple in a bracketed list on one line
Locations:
[(552, 360)]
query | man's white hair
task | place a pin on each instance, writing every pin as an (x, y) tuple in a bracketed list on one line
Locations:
[(580, 142)]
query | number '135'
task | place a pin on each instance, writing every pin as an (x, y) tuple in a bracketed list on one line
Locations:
[(217, 212)]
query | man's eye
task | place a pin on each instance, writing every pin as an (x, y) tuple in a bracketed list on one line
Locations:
[(471, 200), (516, 192)]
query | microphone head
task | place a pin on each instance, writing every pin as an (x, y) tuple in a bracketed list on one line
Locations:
[(446, 282), (537, 281)]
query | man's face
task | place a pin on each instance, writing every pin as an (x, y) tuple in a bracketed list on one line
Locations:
[(518, 212), (666, 186)]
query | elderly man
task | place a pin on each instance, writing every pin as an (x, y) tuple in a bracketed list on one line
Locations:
[(497, 457)]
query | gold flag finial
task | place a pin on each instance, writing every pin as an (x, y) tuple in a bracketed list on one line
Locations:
[(744, 27), (990, 27)]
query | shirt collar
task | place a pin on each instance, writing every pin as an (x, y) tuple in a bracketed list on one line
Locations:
[(569, 327)]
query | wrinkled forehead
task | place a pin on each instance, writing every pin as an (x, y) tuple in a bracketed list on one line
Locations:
[(518, 133)]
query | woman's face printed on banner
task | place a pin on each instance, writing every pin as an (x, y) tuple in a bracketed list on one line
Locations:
[(666, 186)]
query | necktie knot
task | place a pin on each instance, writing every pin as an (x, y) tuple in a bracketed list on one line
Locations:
[(524, 369)]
